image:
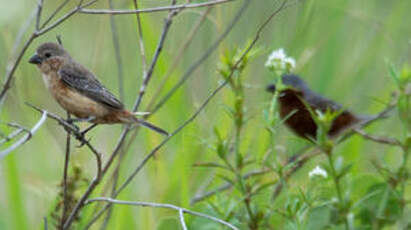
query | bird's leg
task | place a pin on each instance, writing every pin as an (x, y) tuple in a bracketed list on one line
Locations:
[(70, 121), (83, 134), (88, 129)]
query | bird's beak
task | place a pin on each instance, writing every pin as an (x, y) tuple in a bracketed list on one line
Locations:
[(271, 88), (35, 59)]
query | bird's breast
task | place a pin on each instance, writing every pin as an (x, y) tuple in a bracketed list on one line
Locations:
[(71, 100)]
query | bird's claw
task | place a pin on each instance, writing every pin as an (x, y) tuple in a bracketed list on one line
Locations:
[(70, 122), (82, 140)]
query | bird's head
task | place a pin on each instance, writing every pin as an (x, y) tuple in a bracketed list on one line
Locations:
[(48, 51), (290, 81)]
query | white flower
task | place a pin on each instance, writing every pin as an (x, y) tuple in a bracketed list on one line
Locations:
[(279, 63), (317, 171), (290, 63)]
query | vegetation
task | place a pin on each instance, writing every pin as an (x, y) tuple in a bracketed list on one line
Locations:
[(229, 156)]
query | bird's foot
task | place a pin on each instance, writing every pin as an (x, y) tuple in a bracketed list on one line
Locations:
[(70, 122), (82, 138)]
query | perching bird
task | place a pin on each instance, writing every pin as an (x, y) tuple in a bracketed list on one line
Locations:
[(78, 91), (292, 107)]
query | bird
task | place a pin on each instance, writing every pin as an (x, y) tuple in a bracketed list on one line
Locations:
[(293, 101), (79, 92)]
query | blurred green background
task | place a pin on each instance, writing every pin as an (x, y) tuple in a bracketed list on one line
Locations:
[(340, 47)]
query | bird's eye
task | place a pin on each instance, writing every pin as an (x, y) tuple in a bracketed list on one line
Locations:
[(47, 55)]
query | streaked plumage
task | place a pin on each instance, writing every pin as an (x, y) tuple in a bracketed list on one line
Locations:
[(78, 91)]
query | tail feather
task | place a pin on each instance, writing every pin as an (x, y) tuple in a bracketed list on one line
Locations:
[(130, 118), (152, 127)]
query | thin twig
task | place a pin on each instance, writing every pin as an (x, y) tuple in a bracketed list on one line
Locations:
[(205, 103), (64, 18), (202, 196), (46, 227), (81, 203), (11, 136), (23, 31), (26, 137), (181, 217), (204, 57), (65, 172), (75, 131), (141, 40), (12, 65), (160, 205), (38, 16), (180, 53), (181, 127), (147, 77), (298, 161), (116, 44), (156, 9), (378, 139), (55, 12)]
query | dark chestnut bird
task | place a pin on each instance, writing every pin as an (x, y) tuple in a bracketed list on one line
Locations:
[(292, 105)]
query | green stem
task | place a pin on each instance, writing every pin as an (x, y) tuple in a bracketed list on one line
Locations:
[(336, 180)]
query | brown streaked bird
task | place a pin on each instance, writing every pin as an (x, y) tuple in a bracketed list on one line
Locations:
[(79, 92), (292, 107)]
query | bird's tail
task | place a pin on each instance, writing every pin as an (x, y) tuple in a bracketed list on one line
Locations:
[(130, 118), (152, 127)]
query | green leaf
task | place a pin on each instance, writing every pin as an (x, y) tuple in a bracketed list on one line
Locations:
[(393, 73), (344, 171), (319, 218)]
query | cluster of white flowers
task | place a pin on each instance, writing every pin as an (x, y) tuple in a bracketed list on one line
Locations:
[(317, 171), (279, 63)]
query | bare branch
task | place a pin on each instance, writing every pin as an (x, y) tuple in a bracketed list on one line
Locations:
[(38, 16), (11, 136), (26, 137), (157, 9), (12, 65), (24, 28), (55, 12), (65, 172), (180, 53), (181, 127), (205, 103), (160, 205), (46, 227), (116, 45), (75, 131), (141, 40), (202, 196), (63, 18), (181, 217), (204, 57), (147, 77), (378, 139)]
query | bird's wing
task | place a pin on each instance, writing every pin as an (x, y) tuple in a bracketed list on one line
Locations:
[(80, 79), (319, 102)]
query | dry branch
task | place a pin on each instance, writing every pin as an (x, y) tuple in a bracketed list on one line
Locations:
[(156, 9), (160, 205), (26, 137)]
